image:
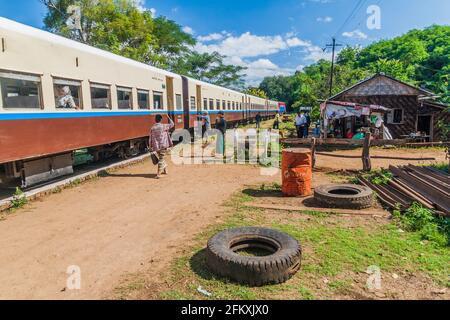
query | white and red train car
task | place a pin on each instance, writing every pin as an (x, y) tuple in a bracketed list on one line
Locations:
[(116, 102)]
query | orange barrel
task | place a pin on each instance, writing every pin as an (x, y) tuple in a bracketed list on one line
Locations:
[(297, 172)]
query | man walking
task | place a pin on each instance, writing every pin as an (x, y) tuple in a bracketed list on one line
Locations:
[(276, 124), (221, 125), (160, 142), (307, 126), (300, 123), (258, 121)]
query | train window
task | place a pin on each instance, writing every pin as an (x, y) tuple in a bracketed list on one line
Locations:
[(193, 103), (205, 104), (234, 106), (158, 103), (211, 104), (179, 102), (100, 96), (143, 99), (217, 104), (124, 98), (224, 105), (20, 91), (67, 94), (229, 105)]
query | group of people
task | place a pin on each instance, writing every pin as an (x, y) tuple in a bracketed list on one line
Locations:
[(303, 124), (160, 141)]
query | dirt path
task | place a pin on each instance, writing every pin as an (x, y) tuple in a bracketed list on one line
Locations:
[(111, 227)]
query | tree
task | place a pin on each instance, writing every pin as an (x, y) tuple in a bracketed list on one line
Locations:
[(210, 68), (113, 25), (119, 27), (256, 92)]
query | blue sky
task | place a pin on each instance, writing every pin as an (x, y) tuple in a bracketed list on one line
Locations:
[(274, 36)]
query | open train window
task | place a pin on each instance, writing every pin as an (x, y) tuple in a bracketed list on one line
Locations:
[(124, 98), (20, 91), (67, 94), (217, 104), (143, 99), (211, 104), (100, 96), (229, 105), (179, 102), (193, 103), (205, 104), (158, 103), (224, 105)]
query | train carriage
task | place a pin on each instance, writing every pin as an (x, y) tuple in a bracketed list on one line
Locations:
[(58, 96)]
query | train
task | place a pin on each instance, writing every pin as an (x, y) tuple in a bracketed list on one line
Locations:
[(58, 96)]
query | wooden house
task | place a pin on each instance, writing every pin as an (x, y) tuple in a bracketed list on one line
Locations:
[(412, 109)]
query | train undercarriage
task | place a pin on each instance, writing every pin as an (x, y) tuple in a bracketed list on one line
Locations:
[(32, 172)]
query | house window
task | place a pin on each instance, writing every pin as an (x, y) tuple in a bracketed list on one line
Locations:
[(395, 116), (124, 98), (67, 94), (143, 99), (20, 91), (193, 103), (100, 96), (178, 102), (158, 103), (211, 104)]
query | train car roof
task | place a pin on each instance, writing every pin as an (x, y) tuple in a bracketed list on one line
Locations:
[(14, 26), (60, 40)]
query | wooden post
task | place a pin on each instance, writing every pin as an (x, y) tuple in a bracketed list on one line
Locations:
[(313, 152), (367, 165)]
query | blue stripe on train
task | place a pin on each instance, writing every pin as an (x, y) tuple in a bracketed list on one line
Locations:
[(81, 114)]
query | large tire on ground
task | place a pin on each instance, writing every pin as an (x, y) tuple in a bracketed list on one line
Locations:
[(283, 261), (344, 196)]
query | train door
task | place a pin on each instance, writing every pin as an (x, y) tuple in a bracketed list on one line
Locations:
[(170, 98), (199, 98), (186, 102)]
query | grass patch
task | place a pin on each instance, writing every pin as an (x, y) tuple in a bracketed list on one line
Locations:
[(332, 251)]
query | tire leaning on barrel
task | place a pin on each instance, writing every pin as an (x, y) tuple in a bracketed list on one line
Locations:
[(255, 271)]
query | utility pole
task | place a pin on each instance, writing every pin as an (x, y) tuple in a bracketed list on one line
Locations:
[(333, 46)]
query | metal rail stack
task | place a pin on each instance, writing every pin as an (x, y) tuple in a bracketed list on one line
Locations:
[(427, 186)]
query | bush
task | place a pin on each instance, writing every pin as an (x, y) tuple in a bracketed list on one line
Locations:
[(426, 223)]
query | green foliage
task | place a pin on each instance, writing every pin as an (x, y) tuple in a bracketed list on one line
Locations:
[(19, 199), (420, 57), (424, 221), (379, 177), (256, 92), (120, 27)]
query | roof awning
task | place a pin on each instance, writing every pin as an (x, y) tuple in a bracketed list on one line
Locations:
[(340, 109)]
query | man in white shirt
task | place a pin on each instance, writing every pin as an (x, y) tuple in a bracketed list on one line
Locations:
[(300, 123)]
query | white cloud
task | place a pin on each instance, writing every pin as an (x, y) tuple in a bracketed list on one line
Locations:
[(324, 19), (356, 34), (211, 37), (188, 30), (249, 50), (153, 12), (248, 45)]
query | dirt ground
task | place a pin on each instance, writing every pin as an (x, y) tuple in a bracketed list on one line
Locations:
[(126, 223), (111, 226)]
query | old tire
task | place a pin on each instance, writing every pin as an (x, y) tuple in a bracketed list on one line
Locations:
[(344, 196), (282, 263)]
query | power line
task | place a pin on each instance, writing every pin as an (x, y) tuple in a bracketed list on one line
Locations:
[(358, 6)]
